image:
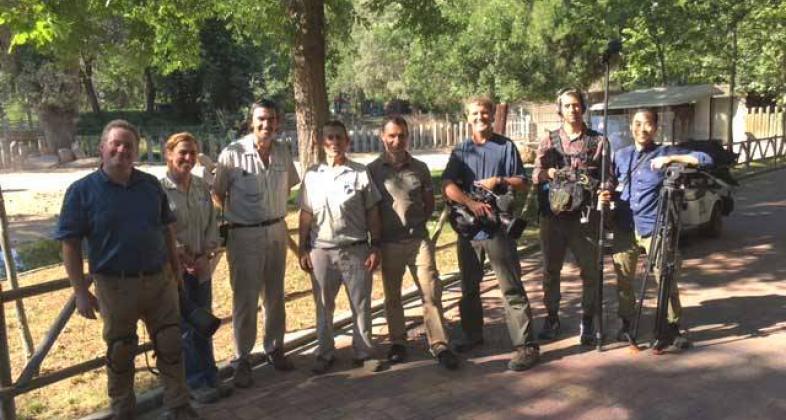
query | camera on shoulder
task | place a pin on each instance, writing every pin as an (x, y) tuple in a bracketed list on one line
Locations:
[(501, 219)]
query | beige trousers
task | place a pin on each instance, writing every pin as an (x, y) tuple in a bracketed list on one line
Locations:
[(257, 261), (418, 256)]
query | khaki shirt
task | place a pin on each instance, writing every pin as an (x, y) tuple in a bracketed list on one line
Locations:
[(402, 208), (253, 192), (196, 227), (338, 198)]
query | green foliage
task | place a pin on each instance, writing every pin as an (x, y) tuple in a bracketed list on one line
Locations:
[(40, 253)]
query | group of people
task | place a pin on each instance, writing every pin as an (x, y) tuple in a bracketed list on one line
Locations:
[(152, 243)]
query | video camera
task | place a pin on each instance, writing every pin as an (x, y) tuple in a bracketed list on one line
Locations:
[(467, 224)]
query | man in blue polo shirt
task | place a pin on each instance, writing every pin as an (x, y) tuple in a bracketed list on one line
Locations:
[(639, 168), (124, 215), (492, 162)]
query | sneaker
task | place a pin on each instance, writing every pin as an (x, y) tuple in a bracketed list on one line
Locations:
[(586, 332), (550, 328), (525, 358), (674, 341), (183, 412), (279, 361), (370, 365), (447, 359), (322, 365), (243, 377), (624, 332), (397, 353), (205, 395), (467, 345)]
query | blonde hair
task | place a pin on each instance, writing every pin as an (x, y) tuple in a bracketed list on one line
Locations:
[(178, 138), (484, 101)]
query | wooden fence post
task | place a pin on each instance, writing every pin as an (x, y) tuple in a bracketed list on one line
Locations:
[(10, 272), (7, 405)]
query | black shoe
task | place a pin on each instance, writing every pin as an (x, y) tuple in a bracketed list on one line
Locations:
[(280, 361), (467, 345), (397, 353), (525, 358), (587, 332), (448, 359), (674, 340), (551, 327), (322, 365), (243, 377), (624, 333)]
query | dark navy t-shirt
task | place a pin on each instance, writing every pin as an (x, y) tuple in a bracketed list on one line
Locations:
[(123, 224), (470, 162)]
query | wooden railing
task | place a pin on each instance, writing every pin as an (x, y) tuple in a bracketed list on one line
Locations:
[(753, 149)]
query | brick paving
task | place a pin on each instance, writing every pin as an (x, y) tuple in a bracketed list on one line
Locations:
[(734, 294)]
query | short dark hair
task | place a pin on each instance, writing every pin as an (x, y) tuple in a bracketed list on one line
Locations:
[(397, 120), (652, 111), (574, 92), (122, 124), (338, 124), (262, 103)]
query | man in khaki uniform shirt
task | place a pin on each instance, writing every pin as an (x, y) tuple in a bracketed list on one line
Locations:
[(253, 179), (339, 231), (407, 203)]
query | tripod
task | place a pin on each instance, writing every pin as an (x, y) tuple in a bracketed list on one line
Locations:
[(662, 256)]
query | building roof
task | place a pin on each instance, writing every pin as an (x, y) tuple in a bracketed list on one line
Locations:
[(663, 96)]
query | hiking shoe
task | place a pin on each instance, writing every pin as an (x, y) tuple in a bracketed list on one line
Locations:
[(183, 412), (467, 345), (280, 361), (447, 359), (525, 358), (243, 377), (397, 353), (205, 395), (587, 332), (370, 365), (624, 332), (674, 341), (550, 328), (322, 365)]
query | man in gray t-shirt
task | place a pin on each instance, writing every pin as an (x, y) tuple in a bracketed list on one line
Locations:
[(339, 234), (407, 203)]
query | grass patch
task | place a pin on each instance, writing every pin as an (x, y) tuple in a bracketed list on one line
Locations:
[(40, 253)]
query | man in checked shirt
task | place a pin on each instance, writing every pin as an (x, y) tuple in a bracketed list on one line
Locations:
[(576, 146)]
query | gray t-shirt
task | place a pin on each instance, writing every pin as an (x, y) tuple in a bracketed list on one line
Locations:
[(402, 208), (339, 198)]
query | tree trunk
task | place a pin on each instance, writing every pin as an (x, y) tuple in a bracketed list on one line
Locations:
[(150, 91), (59, 126), (732, 87), (308, 70), (86, 74)]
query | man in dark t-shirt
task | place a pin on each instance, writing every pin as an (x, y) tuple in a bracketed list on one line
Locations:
[(489, 161)]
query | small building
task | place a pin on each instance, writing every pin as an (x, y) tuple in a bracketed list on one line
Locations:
[(693, 112)]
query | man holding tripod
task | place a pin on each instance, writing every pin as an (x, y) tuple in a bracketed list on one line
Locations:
[(640, 171)]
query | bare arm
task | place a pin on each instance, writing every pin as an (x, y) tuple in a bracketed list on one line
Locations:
[(374, 228), (662, 161), (171, 246), (304, 230), (86, 302)]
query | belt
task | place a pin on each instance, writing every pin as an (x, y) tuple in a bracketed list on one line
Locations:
[(130, 273), (253, 225), (349, 245)]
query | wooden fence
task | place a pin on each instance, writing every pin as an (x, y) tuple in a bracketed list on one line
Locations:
[(764, 130)]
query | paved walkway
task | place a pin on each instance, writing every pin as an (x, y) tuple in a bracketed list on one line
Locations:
[(734, 294)]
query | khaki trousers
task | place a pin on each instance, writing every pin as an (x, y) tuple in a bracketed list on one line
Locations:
[(418, 256), (257, 261), (628, 246), (123, 301), (332, 267)]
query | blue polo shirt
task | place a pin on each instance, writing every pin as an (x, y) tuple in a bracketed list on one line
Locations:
[(124, 225), (470, 162), (637, 202)]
